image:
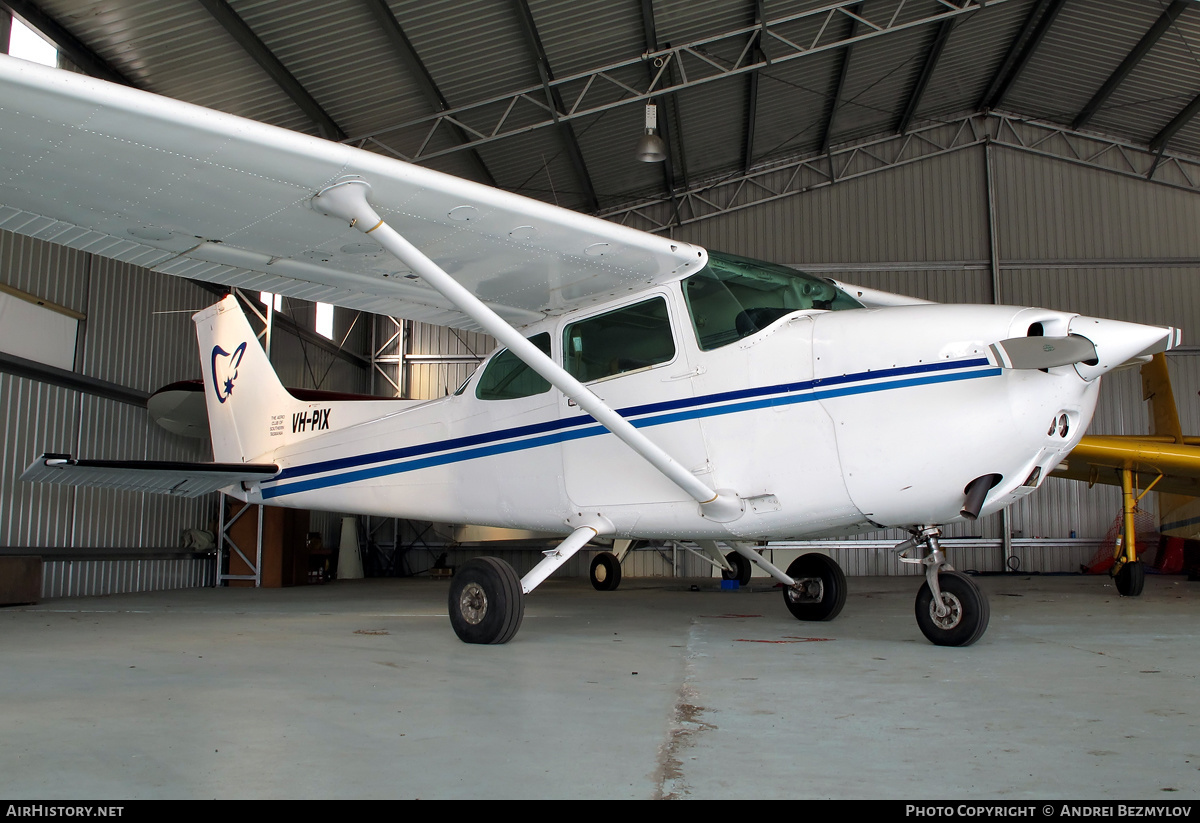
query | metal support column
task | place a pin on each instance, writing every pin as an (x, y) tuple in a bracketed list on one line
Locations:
[(994, 256)]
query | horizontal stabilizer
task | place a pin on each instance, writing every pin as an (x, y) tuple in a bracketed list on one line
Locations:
[(160, 477), (1043, 352)]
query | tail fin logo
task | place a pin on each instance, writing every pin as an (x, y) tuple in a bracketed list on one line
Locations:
[(225, 370)]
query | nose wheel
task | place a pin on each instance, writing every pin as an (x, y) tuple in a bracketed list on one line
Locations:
[(965, 611), (951, 610)]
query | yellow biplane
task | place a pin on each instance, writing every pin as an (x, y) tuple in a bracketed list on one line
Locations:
[(1165, 461)]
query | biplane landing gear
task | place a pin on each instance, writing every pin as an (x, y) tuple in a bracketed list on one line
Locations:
[(1128, 573), (951, 610), (741, 569), (486, 602), (819, 592), (605, 572), (1131, 578)]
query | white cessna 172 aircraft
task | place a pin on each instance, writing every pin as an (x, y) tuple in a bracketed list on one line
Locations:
[(750, 401)]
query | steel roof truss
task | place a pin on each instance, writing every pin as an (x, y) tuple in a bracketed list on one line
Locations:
[(776, 181), (691, 61), (404, 49)]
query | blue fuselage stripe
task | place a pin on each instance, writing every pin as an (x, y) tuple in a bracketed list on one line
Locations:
[(455, 450), (353, 461)]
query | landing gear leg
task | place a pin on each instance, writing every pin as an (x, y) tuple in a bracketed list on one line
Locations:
[(950, 608), (1128, 572)]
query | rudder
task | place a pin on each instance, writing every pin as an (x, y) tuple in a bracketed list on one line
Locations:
[(246, 402)]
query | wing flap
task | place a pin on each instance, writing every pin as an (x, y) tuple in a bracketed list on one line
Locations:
[(198, 193), (159, 477)]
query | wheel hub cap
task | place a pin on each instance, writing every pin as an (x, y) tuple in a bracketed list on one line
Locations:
[(953, 614), (472, 603), (807, 590)]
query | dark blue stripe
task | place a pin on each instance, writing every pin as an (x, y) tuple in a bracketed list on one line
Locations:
[(390, 455), (592, 431), (1179, 524)]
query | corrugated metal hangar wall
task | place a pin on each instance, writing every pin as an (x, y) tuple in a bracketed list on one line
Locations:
[(1066, 237)]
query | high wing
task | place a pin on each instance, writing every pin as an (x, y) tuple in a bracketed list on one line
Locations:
[(192, 192), (161, 477)]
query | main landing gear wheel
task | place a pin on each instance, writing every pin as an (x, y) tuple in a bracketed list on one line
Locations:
[(741, 569), (822, 590), (968, 614), (1131, 579), (605, 572), (486, 601)]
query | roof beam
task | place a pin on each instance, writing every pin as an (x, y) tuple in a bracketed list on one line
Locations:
[(650, 35), (931, 60), (589, 93), (1159, 141), (555, 101), (66, 43), (404, 49), (1130, 62), (1023, 46), (843, 71), (245, 37), (758, 55), (5, 29)]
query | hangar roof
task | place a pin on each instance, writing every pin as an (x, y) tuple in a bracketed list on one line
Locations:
[(546, 97)]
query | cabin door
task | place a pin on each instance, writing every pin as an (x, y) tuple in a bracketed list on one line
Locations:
[(632, 358)]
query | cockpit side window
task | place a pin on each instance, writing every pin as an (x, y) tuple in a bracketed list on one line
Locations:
[(735, 297), (628, 339), (506, 376)]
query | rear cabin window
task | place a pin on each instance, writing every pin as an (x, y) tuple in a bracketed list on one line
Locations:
[(507, 377), (735, 297), (620, 341)]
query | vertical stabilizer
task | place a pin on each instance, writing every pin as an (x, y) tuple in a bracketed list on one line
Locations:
[(246, 402)]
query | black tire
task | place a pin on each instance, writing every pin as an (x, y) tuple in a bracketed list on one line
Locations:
[(969, 611), (486, 601), (827, 598), (742, 570), (605, 572), (1131, 579)]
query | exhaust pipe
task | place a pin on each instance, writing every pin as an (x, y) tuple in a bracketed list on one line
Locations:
[(976, 491)]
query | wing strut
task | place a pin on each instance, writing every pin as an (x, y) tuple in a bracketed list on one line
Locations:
[(347, 199)]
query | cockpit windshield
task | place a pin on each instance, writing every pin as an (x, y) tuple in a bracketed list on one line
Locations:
[(734, 297)]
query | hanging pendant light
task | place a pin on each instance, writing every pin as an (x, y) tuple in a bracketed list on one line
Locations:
[(651, 148)]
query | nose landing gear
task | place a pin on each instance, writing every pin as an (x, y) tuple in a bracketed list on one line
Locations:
[(950, 608)]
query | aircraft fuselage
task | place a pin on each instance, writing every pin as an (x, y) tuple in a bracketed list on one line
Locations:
[(823, 423)]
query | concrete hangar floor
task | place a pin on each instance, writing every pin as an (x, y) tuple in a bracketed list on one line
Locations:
[(360, 689)]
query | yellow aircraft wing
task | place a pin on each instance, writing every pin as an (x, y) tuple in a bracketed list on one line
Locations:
[(1165, 460)]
